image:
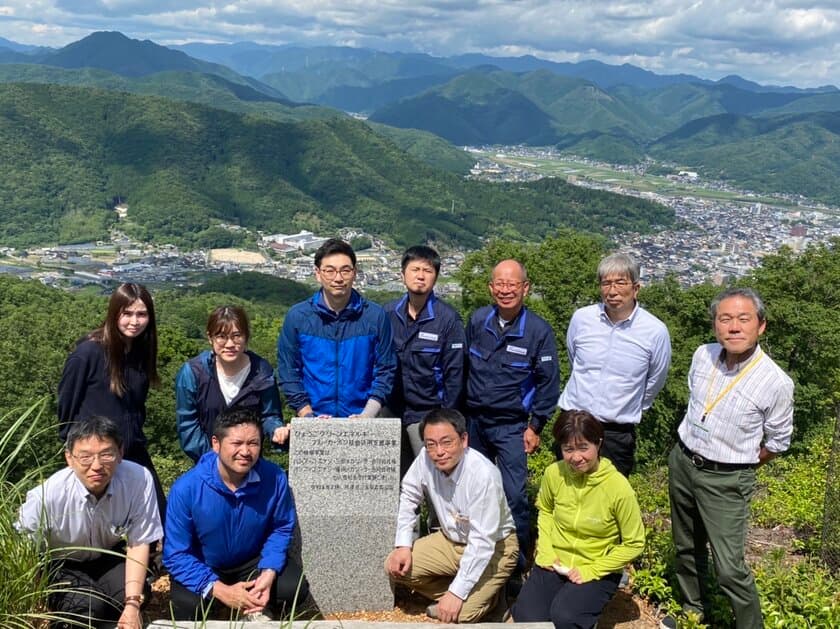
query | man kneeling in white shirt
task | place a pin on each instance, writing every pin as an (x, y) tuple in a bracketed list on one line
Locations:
[(465, 565), (97, 516)]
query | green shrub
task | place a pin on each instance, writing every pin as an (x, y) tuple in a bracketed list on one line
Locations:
[(24, 567)]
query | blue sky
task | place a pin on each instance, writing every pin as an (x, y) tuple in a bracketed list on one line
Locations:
[(790, 42)]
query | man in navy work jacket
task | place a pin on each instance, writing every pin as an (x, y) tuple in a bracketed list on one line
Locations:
[(229, 525), (512, 386), (334, 354), (430, 346)]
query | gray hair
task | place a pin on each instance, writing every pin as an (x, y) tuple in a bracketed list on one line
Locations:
[(94, 426), (619, 264), (746, 293)]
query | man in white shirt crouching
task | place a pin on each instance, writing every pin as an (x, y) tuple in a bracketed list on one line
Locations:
[(464, 566), (97, 516)]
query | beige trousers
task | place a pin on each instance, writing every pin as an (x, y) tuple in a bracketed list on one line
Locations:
[(435, 561)]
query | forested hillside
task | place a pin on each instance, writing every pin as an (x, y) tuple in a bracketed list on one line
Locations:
[(66, 155)]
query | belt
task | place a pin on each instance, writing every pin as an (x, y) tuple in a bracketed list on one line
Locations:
[(616, 427), (702, 463)]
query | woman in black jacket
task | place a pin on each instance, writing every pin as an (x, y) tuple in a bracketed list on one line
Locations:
[(109, 373)]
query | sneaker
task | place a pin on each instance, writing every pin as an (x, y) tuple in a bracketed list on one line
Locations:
[(669, 622), (263, 616), (432, 611), (625, 579)]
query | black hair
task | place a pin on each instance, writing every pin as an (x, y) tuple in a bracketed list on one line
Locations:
[(573, 426), (234, 416), (444, 416), (421, 252), (93, 426), (334, 246)]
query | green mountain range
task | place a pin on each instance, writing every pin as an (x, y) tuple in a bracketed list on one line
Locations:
[(68, 153), (112, 61), (796, 154)]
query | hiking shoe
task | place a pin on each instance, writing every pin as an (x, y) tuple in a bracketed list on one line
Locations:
[(669, 622)]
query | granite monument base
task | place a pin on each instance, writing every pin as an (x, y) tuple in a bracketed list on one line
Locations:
[(344, 474)]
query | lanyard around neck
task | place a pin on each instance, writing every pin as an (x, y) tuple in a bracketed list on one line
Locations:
[(708, 406)]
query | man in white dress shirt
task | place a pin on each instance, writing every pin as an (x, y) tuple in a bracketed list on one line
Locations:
[(464, 565), (620, 355), (97, 503), (739, 416)]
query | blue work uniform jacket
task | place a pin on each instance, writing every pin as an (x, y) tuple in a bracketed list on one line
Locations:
[(199, 400), (512, 377), (335, 361), (430, 358)]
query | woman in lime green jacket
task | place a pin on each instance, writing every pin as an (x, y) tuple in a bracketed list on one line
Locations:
[(590, 527)]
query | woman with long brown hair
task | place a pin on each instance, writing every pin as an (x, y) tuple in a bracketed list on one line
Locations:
[(109, 373)]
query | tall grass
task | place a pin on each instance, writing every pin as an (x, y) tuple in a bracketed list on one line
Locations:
[(23, 564)]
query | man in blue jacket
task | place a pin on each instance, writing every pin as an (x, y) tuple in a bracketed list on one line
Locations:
[(512, 386), (229, 524), (430, 346), (334, 354)]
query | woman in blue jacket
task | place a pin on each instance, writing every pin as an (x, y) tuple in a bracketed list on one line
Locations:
[(228, 375)]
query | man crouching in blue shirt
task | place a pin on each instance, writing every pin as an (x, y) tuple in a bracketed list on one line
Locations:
[(229, 524)]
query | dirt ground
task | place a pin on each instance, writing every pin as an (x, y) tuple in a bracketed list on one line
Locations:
[(237, 256)]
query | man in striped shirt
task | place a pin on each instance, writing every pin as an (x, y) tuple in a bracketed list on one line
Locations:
[(739, 416)]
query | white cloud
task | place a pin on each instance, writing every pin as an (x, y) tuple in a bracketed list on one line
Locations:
[(783, 41)]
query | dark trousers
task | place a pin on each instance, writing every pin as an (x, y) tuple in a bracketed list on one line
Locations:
[(504, 445), (288, 586), (711, 507), (548, 596), (89, 592), (620, 446)]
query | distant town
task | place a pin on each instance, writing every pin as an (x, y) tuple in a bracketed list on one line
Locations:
[(715, 238)]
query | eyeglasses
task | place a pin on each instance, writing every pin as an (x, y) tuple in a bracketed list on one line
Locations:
[(447, 443), (330, 272), (105, 457), (615, 283), (236, 337), (506, 284)]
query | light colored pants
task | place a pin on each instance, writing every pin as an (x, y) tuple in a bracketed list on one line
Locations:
[(435, 561)]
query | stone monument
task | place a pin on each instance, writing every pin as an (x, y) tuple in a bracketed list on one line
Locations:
[(344, 474)]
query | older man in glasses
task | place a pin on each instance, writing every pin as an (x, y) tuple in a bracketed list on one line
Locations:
[(335, 355), (97, 517), (620, 355), (513, 384)]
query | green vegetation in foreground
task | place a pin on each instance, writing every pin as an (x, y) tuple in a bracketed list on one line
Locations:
[(24, 565), (39, 325), (68, 153)]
